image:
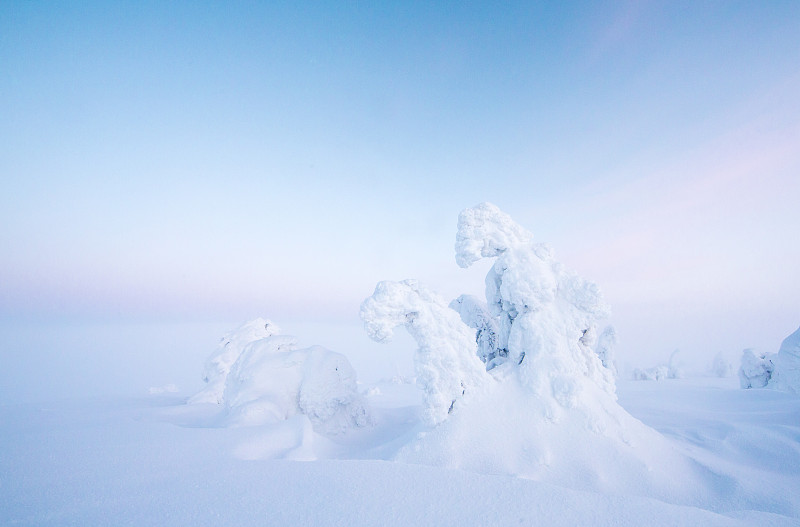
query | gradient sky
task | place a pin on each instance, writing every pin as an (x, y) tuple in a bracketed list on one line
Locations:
[(221, 161)]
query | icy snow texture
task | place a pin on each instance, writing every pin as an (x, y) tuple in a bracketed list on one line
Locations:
[(273, 381), (756, 370), (446, 361), (230, 347), (786, 376), (475, 313)]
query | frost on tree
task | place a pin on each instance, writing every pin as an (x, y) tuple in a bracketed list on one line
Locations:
[(271, 380), (475, 313), (230, 347), (445, 362), (547, 316)]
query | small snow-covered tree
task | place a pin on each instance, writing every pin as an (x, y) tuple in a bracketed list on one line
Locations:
[(230, 347), (756, 370), (446, 361), (273, 380), (720, 366)]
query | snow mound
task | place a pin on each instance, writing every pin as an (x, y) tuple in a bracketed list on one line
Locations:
[(271, 380), (786, 376), (230, 347), (446, 362)]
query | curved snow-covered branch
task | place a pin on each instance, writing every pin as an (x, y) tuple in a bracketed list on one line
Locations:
[(446, 363)]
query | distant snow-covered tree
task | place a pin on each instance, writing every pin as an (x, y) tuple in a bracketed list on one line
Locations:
[(720, 366), (756, 369)]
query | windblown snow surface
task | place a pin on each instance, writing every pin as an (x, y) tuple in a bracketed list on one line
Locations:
[(514, 416)]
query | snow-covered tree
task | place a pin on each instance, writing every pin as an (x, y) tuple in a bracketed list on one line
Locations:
[(756, 370), (720, 366), (446, 361), (546, 315), (274, 380), (260, 377), (230, 347)]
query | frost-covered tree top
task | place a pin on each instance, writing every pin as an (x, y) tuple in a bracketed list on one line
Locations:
[(484, 231)]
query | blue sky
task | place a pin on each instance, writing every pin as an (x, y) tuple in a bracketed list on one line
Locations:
[(218, 161)]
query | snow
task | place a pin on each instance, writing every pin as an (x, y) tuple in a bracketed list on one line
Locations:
[(514, 416), (149, 461)]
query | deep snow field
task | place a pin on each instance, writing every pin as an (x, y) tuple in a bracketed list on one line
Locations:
[(509, 411), (157, 461)]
